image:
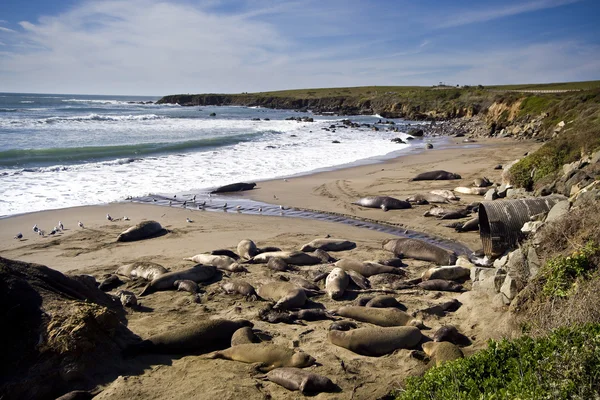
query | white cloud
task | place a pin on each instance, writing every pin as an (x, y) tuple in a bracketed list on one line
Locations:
[(470, 17), (3, 29)]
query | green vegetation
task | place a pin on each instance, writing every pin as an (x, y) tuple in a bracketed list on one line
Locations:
[(562, 273), (587, 85), (535, 105), (563, 365)]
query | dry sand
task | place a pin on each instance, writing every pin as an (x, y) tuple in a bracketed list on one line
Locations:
[(93, 250)]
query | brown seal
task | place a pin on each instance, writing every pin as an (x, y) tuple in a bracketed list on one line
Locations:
[(420, 250), (367, 268), (240, 287), (438, 175), (381, 317), (301, 380), (243, 336), (441, 352), (247, 249), (285, 294), (336, 283), (294, 257), (376, 341), (198, 273), (329, 244), (383, 202), (277, 264), (193, 338), (449, 333), (427, 198), (385, 301), (448, 272), (186, 286), (440, 284), (269, 356), (143, 230)]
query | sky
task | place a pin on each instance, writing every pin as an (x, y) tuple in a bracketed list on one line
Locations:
[(153, 47)]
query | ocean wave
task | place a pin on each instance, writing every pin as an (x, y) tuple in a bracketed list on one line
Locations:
[(27, 101), (107, 101), (9, 109), (98, 117), (120, 154)]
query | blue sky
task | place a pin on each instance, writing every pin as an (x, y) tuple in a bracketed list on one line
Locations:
[(152, 47)]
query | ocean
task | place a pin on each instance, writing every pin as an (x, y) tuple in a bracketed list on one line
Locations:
[(63, 150)]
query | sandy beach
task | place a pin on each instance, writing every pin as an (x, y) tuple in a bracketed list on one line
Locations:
[(93, 250)]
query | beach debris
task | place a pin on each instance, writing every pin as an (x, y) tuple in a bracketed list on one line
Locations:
[(19, 236)]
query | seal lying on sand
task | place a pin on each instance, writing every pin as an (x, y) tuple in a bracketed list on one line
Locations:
[(367, 268), (198, 273), (193, 338), (225, 263), (471, 190), (438, 175), (448, 272), (293, 257), (385, 301), (329, 244), (285, 294), (234, 187), (383, 202), (247, 249), (143, 230), (440, 284), (419, 250), (142, 269), (270, 356), (301, 380), (427, 198), (240, 287), (440, 352), (336, 283), (243, 336), (445, 193), (382, 317), (186, 286), (376, 341)]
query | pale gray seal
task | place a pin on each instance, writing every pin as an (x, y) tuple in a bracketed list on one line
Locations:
[(142, 269), (186, 286), (197, 337), (329, 244), (198, 273), (285, 294), (385, 301), (247, 249), (438, 175), (300, 380), (382, 317), (293, 257), (427, 198), (269, 356), (336, 283), (376, 341), (448, 272), (445, 193), (143, 230), (225, 263), (234, 187), (277, 264), (367, 268), (383, 202), (441, 352), (470, 190), (244, 335), (419, 250)]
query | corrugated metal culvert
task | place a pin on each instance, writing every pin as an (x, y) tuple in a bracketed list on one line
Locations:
[(500, 221)]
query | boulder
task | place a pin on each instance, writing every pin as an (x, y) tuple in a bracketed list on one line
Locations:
[(491, 195), (558, 210), (533, 262), (415, 132), (509, 287)]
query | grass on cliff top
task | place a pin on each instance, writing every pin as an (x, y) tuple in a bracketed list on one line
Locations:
[(587, 85), (563, 365)]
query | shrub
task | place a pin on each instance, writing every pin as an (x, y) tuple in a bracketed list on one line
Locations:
[(562, 273), (563, 365)]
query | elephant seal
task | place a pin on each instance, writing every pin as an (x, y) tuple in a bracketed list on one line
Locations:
[(234, 187), (193, 338), (342, 326), (336, 283), (225, 252), (456, 214), (197, 273), (382, 317), (427, 198), (471, 190), (277, 264), (383, 202), (110, 283), (367, 268), (482, 182), (449, 333), (270, 356), (358, 279), (441, 352), (441, 285), (449, 194), (441, 309), (419, 250), (449, 273), (294, 257), (186, 286), (385, 301), (221, 262), (299, 281), (300, 380), (329, 244), (389, 281), (392, 262), (470, 225), (142, 269), (376, 341), (285, 294), (312, 314), (143, 230), (243, 336), (438, 175), (247, 249), (240, 287), (268, 249)]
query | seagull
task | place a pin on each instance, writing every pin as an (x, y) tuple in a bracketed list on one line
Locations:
[(225, 206), (19, 236), (153, 199), (285, 180), (194, 199), (41, 232), (52, 232), (125, 218), (108, 217), (80, 224), (61, 226), (174, 196), (203, 203), (281, 207), (35, 228), (209, 195), (275, 197), (170, 202), (259, 209), (188, 220), (184, 205), (238, 207)]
